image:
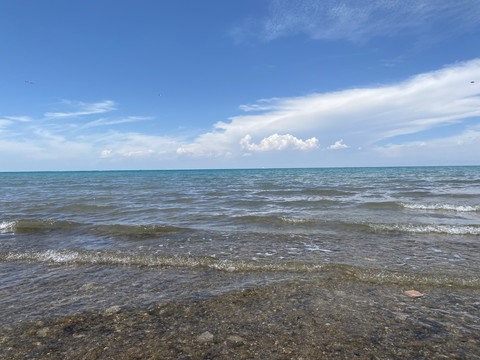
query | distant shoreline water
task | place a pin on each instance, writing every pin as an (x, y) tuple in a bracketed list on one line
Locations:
[(240, 169)]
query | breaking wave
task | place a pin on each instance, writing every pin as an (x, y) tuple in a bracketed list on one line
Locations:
[(344, 271), (34, 226), (428, 229), (442, 207), (115, 230)]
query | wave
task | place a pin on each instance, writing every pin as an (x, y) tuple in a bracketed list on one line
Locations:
[(374, 275), (133, 232), (180, 261), (367, 227), (428, 228), (7, 226), (307, 192), (382, 205), (275, 220), (442, 207), (25, 226), (415, 206)]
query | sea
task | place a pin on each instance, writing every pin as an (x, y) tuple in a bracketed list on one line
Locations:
[(254, 263)]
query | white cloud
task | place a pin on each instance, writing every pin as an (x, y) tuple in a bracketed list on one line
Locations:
[(261, 105), (109, 122), (17, 118), (338, 145), (134, 145), (48, 143), (362, 116), (358, 20), (7, 121), (4, 123), (106, 153), (460, 149), (84, 109), (278, 142)]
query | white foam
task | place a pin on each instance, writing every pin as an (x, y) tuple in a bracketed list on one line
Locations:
[(46, 256), (426, 229), (444, 207), (7, 226), (295, 220), (314, 247)]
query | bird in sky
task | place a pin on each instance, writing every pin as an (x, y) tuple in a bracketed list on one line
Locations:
[(28, 82)]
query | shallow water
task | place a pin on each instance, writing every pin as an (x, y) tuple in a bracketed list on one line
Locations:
[(75, 244)]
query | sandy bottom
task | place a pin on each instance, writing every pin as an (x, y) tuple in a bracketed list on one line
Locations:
[(328, 318)]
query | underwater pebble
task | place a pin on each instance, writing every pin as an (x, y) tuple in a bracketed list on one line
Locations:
[(43, 332), (205, 337), (112, 310), (236, 339)]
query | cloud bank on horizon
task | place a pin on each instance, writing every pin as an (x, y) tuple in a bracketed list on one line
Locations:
[(365, 121)]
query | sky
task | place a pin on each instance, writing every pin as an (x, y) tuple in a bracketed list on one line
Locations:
[(188, 84)]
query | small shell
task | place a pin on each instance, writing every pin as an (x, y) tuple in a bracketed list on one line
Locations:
[(414, 293)]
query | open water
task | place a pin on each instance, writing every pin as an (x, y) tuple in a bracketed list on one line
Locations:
[(122, 242)]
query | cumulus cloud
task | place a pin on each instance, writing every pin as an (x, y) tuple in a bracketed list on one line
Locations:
[(338, 145), (83, 109), (278, 142), (358, 20)]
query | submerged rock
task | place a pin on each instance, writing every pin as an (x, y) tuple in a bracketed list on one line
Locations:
[(112, 310), (235, 339), (43, 332), (205, 337)]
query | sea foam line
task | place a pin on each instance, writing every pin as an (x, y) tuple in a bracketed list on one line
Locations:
[(343, 270), (445, 207), (427, 229), (88, 257)]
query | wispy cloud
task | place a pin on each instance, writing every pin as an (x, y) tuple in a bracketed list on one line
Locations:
[(83, 109), (7, 121), (358, 20), (110, 122), (17, 118), (134, 145), (50, 139), (4, 123), (457, 149)]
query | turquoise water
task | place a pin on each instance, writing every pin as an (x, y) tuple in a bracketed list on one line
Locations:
[(81, 241)]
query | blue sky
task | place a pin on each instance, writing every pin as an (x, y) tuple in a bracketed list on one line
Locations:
[(114, 84)]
